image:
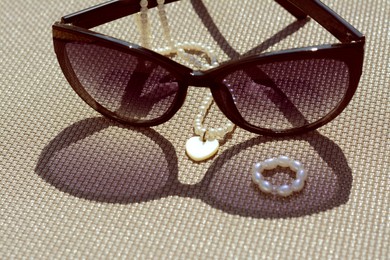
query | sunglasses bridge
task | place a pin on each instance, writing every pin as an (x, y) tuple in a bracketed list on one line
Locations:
[(199, 79)]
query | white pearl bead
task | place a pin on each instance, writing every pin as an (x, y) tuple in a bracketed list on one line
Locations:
[(198, 121), (266, 186), (270, 164), (257, 177), (297, 184), (301, 174), (284, 161), (199, 130), (284, 190), (295, 166), (143, 3), (212, 133), (257, 167)]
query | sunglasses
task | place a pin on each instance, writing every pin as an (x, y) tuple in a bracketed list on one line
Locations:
[(279, 93)]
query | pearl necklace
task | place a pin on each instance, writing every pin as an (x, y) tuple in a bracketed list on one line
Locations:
[(205, 144)]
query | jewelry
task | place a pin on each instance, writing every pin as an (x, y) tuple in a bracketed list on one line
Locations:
[(179, 49), (205, 144), (143, 23), (164, 22), (283, 190)]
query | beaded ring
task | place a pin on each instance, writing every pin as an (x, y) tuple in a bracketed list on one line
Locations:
[(282, 190)]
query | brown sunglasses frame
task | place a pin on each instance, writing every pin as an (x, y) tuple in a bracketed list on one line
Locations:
[(75, 28)]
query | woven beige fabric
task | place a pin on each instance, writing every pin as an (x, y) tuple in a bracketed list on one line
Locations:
[(73, 184)]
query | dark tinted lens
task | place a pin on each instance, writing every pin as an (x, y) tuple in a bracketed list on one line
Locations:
[(288, 94), (133, 88)]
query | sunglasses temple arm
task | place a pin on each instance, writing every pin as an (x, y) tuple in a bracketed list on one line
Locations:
[(115, 9), (292, 9), (106, 12), (328, 19)]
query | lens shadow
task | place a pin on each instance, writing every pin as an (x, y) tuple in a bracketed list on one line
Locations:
[(228, 185), (88, 161)]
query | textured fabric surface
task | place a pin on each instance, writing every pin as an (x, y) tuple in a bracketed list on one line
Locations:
[(73, 184)]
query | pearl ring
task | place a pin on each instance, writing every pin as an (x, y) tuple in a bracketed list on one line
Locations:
[(285, 189)]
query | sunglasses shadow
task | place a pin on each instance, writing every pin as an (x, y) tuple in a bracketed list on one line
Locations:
[(89, 161)]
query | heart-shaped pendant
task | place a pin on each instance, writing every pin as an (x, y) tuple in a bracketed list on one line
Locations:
[(198, 150)]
